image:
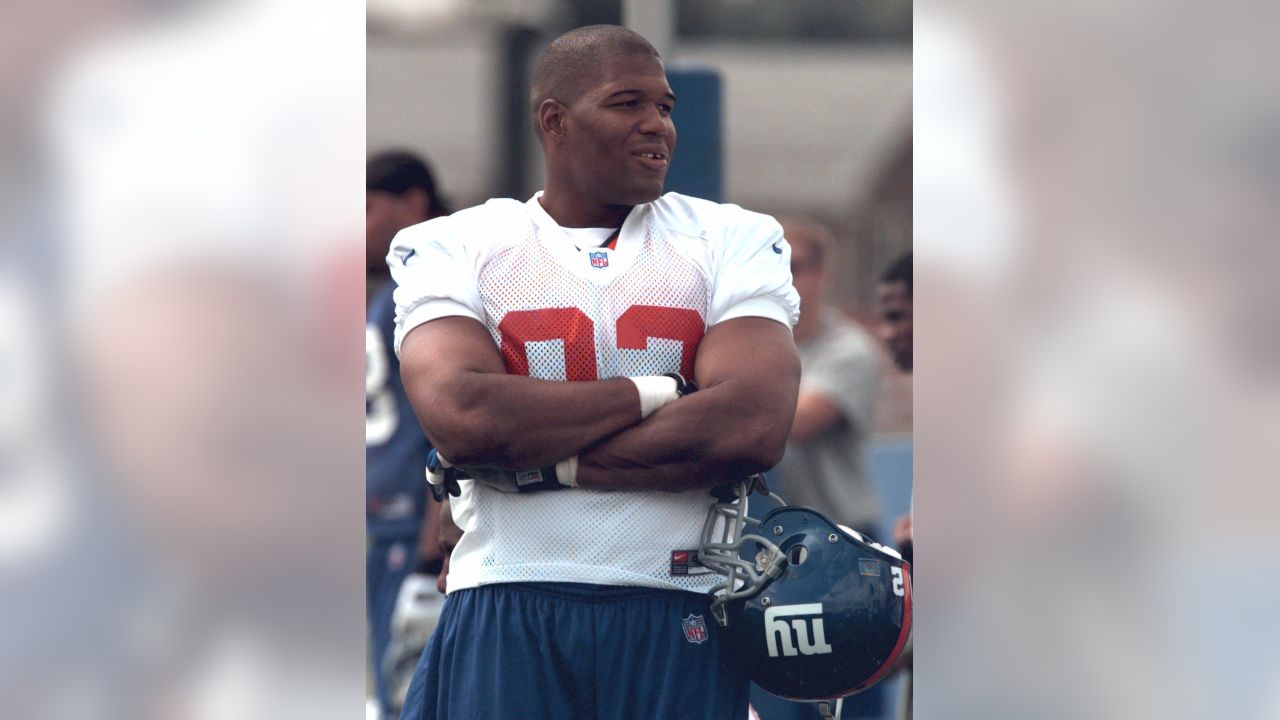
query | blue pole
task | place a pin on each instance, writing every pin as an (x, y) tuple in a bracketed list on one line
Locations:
[(697, 168)]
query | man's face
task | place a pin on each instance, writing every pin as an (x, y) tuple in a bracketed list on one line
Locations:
[(385, 215), (893, 302), (618, 136)]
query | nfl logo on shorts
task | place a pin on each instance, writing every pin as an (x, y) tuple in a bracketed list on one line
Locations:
[(599, 259), (695, 629)]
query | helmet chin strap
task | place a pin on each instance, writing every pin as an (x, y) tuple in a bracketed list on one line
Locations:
[(825, 710)]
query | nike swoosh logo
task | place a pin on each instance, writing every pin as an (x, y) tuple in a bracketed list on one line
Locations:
[(404, 259), (777, 249)]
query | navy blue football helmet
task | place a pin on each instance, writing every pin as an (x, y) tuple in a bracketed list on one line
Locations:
[(814, 609)]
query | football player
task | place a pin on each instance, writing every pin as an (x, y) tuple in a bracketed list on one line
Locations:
[(549, 348), (400, 191)]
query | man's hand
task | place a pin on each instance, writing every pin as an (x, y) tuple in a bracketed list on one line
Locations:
[(683, 386), (441, 477), (904, 536)]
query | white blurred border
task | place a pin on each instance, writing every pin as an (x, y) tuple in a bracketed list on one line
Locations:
[(1096, 366), (182, 308)]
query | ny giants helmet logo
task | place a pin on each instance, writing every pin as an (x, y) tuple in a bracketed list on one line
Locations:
[(778, 631)]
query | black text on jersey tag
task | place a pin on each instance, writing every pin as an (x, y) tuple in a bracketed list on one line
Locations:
[(686, 562)]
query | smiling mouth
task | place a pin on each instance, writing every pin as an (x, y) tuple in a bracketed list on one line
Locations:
[(653, 160)]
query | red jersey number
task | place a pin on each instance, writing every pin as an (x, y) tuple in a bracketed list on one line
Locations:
[(634, 329), (641, 322), (569, 324)]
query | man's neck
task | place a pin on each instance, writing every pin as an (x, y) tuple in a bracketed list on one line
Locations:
[(572, 214)]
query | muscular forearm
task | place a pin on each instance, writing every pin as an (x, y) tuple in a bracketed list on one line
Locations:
[(475, 414), (516, 423), (703, 440), (735, 426)]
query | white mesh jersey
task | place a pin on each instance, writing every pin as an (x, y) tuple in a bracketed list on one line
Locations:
[(556, 312)]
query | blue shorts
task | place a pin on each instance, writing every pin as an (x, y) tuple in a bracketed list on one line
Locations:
[(555, 651)]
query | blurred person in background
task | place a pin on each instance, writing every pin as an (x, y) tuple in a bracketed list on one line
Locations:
[(400, 515), (893, 305), (400, 190), (564, 318), (418, 606), (824, 466)]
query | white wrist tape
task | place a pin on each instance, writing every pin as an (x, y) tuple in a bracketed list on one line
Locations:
[(655, 391), (437, 478), (567, 471)]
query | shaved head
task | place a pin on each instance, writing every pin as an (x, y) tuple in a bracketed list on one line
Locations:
[(570, 64), (602, 113)]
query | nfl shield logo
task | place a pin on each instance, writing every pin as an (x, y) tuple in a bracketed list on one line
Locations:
[(599, 259), (695, 629)]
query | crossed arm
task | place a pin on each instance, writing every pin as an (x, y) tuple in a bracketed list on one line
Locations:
[(476, 414)]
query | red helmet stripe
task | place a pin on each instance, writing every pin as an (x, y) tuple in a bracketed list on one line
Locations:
[(903, 634)]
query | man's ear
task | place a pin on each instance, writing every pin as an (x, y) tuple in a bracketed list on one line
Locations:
[(551, 117)]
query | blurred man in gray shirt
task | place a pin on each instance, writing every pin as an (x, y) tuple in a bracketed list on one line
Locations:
[(824, 466)]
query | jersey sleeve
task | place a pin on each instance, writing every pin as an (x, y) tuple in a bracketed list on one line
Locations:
[(435, 274), (753, 272)]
